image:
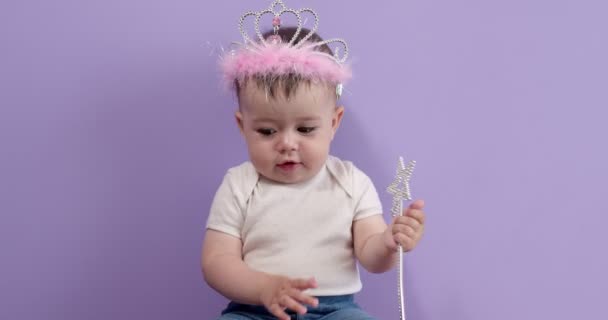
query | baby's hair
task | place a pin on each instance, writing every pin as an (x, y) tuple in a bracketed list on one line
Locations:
[(288, 83)]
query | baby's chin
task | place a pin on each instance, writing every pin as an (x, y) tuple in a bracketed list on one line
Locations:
[(285, 180), (279, 176)]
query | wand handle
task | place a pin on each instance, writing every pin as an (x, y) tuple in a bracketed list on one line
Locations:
[(400, 189), (400, 287)]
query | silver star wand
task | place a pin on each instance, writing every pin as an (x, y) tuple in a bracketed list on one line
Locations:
[(400, 189)]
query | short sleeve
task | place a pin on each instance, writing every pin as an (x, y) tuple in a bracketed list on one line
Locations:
[(367, 201), (226, 214)]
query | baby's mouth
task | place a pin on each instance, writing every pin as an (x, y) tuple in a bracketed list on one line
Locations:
[(288, 165)]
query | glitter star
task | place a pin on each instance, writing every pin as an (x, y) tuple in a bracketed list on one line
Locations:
[(400, 187)]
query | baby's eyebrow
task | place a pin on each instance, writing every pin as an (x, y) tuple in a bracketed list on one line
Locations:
[(303, 118), (309, 118), (264, 120)]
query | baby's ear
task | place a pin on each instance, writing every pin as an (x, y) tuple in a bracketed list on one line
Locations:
[(336, 119), (238, 116)]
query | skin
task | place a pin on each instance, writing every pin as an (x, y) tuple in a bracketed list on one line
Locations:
[(297, 130), (288, 142)]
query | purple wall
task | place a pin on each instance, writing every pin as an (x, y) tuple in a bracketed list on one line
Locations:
[(114, 134)]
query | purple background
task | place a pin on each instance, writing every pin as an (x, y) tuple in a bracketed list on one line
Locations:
[(114, 135)]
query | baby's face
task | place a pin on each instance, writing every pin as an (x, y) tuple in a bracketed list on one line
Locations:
[(288, 140)]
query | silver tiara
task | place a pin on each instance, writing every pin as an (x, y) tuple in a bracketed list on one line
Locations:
[(276, 25)]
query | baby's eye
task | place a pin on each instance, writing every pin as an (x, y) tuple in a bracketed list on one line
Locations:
[(306, 129), (266, 131)]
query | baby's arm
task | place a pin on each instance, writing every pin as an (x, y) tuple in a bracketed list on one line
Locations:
[(375, 243), (225, 271), (370, 248)]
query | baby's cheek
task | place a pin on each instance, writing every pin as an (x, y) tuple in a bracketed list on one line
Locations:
[(319, 150), (259, 153)]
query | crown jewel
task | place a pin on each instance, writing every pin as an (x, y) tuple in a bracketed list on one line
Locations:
[(271, 56), (276, 24)]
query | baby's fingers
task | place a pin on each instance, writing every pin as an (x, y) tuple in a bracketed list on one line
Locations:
[(406, 221), (415, 209), (404, 229), (304, 298), (407, 243), (279, 312), (418, 204), (291, 304), (303, 284), (418, 215)]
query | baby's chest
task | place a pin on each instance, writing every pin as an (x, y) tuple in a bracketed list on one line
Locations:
[(288, 220)]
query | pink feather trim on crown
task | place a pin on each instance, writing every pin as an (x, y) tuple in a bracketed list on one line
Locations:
[(282, 59)]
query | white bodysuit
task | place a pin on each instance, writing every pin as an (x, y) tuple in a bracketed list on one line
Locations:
[(298, 230)]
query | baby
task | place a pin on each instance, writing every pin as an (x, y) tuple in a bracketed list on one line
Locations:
[(287, 228)]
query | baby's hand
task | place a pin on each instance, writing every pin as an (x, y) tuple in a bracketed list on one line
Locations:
[(282, 293), (407, 229)]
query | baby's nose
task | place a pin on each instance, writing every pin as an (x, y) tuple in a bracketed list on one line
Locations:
[(287, 142)]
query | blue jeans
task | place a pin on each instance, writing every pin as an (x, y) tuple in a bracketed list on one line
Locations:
[(329, 308)]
